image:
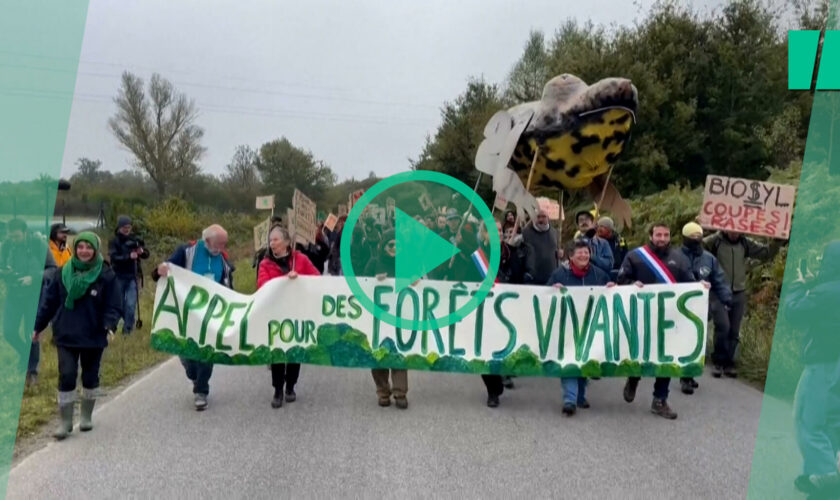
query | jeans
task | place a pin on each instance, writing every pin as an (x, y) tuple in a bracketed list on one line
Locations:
[(199, 373), (816, 413), (282, 373), (14, 314), (69, 359), (660, 387), (574, 390), (129, 302), (727, 329)]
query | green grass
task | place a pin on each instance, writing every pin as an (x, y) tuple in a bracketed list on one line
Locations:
[(124, 357)]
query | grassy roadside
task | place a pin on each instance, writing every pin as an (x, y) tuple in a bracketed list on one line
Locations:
[(124, 357)]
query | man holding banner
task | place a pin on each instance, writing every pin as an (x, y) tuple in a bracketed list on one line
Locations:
[(208, 258), (655, 263)]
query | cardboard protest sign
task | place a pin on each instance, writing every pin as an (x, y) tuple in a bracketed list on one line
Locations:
[(521, 330), (342, 210), (551, 207), (305, 225), (354, 197), (747, 206), (331, 221), (261, 234), (425, 202), (500, 202), (265, 202)]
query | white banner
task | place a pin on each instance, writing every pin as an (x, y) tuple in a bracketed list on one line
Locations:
[(521, 330)]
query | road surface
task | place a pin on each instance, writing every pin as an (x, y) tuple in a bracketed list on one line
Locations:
[(336, 442)]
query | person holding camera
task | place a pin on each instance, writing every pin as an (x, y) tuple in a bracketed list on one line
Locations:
[(125, 252)]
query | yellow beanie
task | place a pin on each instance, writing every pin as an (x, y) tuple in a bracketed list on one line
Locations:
[(691, 229)]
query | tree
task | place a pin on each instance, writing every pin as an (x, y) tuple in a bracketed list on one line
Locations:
[(89, 170), (530, 73), (284, 167), (159, 130), (241, 173)]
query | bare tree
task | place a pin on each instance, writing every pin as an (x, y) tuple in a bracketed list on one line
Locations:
[(159, 130)]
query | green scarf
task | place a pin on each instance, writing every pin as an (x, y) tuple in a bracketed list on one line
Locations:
[(76, 275)]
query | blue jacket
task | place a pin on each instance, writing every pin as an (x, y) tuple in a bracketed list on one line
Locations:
[(706, 267), (602, 255), (564, 276), (183, 257)]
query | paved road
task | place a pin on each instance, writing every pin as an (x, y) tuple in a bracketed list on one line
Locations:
[(336, 442)]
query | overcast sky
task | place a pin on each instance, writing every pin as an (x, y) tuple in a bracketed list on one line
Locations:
[(358, 83)]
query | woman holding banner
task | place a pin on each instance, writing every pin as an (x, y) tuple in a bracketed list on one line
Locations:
[(282, 262), (84, 302), (580, 272)]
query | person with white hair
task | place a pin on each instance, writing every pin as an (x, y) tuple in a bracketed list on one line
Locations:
[(208, 258)]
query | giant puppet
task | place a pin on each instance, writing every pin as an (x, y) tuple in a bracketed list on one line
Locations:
[(568, 140)]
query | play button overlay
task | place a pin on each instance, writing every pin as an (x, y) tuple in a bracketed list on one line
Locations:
[(419, 250), (411, 242)]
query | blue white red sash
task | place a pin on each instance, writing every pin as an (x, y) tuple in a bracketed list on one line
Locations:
[(655, 264), (481, 262)]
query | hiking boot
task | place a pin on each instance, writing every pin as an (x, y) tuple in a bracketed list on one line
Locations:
[(290, 396), (583, 404), (492, 401), (730, 372), (200, 402), (685, 385), (630, 390), (569, 409), (402, 403), (507, 382), (86, 421), (383, 402), (65, 427), (660, 407), (717, 371), (693, 383), (277, 400)]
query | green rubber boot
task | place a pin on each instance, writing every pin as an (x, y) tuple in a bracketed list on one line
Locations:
[(86, 422), (65, 427)]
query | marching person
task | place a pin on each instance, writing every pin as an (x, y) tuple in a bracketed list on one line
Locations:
[(23, 258), (383, 266), (281, 261), (206, 257), (581, 271), (125, 252), (607, 232), (733, 250), (58, 244), (83, 302), (496, 384), (541, 240), (655, 263), (707, 268), (602, 255)]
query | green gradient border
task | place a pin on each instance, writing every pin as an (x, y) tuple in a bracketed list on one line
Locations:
[(40, 43), (777, 459)]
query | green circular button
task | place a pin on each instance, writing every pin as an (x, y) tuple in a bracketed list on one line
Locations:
[(419, 249)]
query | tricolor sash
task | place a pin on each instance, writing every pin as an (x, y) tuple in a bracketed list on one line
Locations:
[(655, 264)]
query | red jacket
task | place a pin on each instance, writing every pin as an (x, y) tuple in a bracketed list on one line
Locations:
[(270, 270)]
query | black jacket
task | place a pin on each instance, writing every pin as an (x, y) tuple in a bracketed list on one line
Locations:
[(634, 268), (119, 253), (87, 324)]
